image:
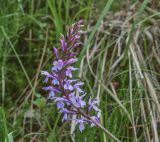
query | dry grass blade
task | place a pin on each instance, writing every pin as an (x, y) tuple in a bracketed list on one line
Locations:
[(145, 127), (131, 96)]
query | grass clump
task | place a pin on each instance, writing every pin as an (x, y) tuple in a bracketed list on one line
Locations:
[(119, 62)]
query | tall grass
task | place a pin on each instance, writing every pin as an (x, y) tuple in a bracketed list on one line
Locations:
[(119, 63)]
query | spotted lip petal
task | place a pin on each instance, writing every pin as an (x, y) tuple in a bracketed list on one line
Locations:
[(58, 65), (67, 85)]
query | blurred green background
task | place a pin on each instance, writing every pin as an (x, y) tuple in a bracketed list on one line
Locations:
[(119, 62)]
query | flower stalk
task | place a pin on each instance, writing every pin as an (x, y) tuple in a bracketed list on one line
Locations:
[(65, 90)]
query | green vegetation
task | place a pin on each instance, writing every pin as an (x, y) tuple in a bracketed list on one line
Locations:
[(119, 63)]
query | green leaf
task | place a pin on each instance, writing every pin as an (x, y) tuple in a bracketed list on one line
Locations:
[(10, 138), (40, 102)]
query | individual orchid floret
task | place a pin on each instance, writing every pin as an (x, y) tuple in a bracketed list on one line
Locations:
[(67, 85), (80, 101), (51, 95), (56, 52), (48, 75), (60, 105), (77, 100), (69, 71), (93, 104), (65, 116), (55, 82), (80, 122), (50, 88), (63, 42), (77, 87), (71, 61), (57, 65)]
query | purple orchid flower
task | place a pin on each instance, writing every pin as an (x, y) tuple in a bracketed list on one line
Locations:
[(56, 52), (50, 88), (92, 104), (65, 91), (65, 116), (76, 100), (80, 122), (60, 105), (51, 95), (63, 43), (67, 85), (77, 87), (48, 75), (58, 65), (71, 61), (55, 82), (69, 71)]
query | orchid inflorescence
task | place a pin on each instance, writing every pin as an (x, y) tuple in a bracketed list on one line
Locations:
[(64, 89)]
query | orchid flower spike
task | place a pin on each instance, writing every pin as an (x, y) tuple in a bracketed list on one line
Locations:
[(65, 90)]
